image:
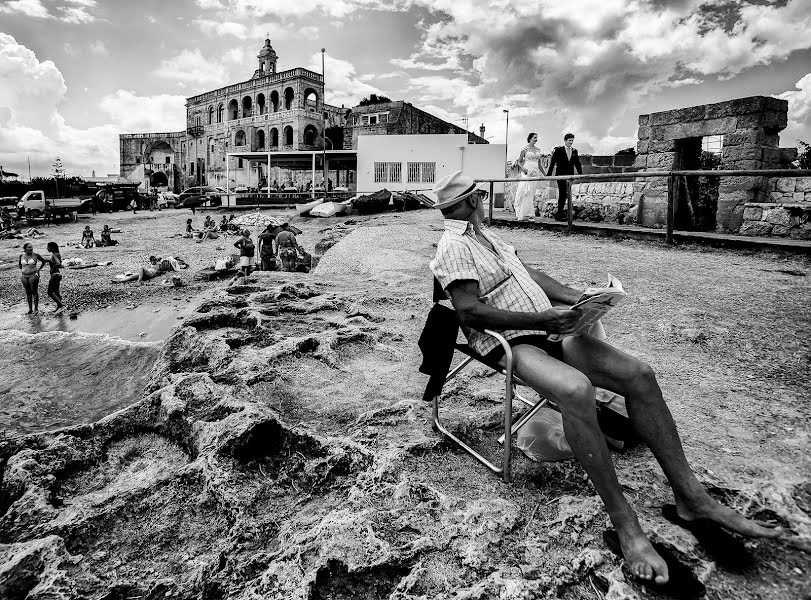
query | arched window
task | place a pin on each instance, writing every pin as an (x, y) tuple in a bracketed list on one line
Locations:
[(311, 100), (247, 106), (239, 139), (274, 137), (210, 115), (260, 138), (288, 98), (310, 135), (274, 100), (233, 110), (260, 103), (198, 120), (220, 112), (288, 136)]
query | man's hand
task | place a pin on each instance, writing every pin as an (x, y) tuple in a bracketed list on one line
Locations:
[(559, 320)]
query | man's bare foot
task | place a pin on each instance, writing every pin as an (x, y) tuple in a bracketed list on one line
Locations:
[(643, 561), (708, 508)]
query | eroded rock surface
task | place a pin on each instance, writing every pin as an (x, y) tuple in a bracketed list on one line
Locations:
[(282, 450)]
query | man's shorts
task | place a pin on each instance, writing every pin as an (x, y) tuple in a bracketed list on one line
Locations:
[(553, 349)]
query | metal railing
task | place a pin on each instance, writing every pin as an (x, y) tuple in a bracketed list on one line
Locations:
[(672, 185)]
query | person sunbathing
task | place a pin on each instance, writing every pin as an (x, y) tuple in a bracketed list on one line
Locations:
[(157, 266), (490, 288)]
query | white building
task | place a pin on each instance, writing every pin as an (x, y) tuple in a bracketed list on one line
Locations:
[(417, 162)]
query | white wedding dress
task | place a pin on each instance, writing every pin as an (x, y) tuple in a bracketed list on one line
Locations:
[(524, 203)]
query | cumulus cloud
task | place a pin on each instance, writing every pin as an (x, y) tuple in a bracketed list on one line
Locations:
[(343, 85), (31, 92), (254, 9), (590, 62), (253, 30), (76, 12), (190, 66), (799, 110)]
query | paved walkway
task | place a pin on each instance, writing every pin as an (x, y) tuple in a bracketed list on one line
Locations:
[(643, 233)]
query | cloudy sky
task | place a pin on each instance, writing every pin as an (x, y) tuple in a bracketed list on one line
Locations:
[(76, 73)]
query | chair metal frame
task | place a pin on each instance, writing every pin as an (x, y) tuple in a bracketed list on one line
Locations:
[(510, 391)]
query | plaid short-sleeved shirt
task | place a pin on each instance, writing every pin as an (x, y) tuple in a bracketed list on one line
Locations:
[(503, 281)]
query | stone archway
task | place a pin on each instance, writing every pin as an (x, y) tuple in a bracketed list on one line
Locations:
[(750, 129), (158, 179)]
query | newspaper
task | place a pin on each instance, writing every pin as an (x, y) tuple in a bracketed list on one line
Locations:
[(593, 304)]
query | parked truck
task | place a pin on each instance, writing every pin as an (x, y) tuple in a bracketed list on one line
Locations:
[(34, 203)]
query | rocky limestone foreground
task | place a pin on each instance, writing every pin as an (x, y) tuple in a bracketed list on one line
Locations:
[(282, 450)]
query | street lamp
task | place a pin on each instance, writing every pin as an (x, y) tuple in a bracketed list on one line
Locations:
[(324, 126), (506, 138)]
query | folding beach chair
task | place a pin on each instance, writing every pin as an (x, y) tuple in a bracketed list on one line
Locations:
[(438, 379)]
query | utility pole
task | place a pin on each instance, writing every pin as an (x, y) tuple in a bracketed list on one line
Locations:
[(324, 127), (506, 139)]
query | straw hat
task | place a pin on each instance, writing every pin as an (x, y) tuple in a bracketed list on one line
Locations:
[(453, 188)]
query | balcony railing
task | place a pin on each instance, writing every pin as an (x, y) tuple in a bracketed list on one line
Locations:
[(195, 130)]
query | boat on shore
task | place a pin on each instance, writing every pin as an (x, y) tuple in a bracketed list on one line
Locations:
[(306, 207), (372, 203), (329, 209)]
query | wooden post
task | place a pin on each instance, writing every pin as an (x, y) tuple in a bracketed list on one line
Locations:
[(490, 206), (672, 190), (569, 205)]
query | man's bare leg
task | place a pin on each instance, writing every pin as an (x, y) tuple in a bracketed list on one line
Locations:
[(574, 395), (619, 372)]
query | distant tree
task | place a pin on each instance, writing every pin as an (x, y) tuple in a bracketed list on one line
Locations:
[(804, 155), (374, 99), (631, 151), (58, 170)]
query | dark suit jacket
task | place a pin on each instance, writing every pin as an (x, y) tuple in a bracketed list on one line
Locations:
[(565, 166)]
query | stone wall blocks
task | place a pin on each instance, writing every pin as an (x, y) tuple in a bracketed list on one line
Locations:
[(778, 197), (643, 133), (800, 234), (642, 147), (799, 197), (751, 121), (680, 115), (733, 184), (641, 161), (775, 120), (756, 228), (803, 184), (778, 216), (786, 184), (781, 230), (743, 152), (752, 213), (748, 165), (754, 137), (662, 146), (644, 119), (662, 160)]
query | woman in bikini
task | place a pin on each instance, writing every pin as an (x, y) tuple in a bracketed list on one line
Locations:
[(54, 283), (246, 252), (30, 276)]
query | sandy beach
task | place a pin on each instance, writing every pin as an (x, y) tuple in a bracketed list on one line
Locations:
[(281, 448)]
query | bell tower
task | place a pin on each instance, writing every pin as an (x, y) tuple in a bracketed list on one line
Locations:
[(267, 60)]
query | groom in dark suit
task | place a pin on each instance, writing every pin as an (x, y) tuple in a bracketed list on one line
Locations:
[(566, 159)]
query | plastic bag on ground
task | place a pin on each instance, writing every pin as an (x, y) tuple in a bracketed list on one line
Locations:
[(542, 439)]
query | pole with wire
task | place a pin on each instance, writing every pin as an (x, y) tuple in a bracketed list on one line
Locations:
[(506, 138), (324, 122)]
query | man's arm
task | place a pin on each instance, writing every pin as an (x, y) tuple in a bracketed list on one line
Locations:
[(477, 315), (576, 162), (552, 162), (554, 290)]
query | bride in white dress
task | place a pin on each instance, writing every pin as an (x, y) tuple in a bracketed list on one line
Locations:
[(529, 162)]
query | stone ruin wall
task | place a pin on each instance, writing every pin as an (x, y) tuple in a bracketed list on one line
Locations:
[(750, 128), (787, 212)]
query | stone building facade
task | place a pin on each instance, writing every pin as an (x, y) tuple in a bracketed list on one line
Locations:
[(274, 110), (396, 118)]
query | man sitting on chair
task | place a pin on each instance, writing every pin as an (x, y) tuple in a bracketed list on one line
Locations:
[(491, 289)]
